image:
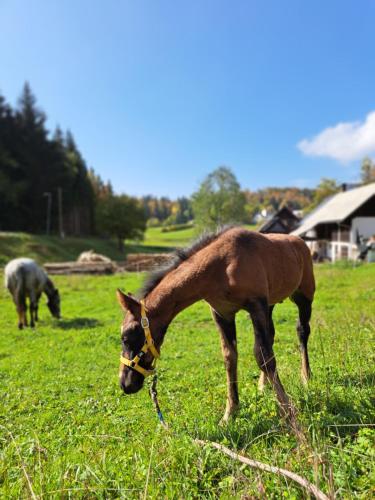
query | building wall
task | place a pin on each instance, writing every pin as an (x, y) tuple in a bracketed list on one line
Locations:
[(363, 226)]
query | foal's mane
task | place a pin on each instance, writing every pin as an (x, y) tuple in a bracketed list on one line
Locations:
[(179, 256)]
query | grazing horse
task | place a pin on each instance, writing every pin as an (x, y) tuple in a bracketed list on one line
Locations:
[(231, 270), (24, 278)]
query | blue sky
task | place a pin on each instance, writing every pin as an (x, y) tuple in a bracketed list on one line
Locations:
[(159, 93)]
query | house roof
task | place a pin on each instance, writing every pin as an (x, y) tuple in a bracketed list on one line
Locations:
[(270, 225), (337, 208), (284, 217)]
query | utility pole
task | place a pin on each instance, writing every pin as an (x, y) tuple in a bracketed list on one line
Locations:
[(59, 199), (49, 206)]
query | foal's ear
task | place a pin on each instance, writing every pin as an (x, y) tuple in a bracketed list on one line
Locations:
[(127, 302)]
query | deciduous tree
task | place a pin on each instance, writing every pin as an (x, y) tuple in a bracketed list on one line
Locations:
[(219, 200)]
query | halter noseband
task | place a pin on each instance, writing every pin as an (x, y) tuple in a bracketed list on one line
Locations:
[(147, 346)]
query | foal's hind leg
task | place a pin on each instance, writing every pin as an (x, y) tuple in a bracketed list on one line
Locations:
[(262, 378), (227, 329), (259, 313), (303, 331)]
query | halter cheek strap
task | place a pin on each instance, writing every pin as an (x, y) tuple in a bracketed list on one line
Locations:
[(147, 346)]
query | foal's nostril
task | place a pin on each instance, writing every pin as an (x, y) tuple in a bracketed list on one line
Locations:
[(129, 384), (128, 388)]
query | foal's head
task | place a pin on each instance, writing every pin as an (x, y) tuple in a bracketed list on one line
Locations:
[(133, 339)]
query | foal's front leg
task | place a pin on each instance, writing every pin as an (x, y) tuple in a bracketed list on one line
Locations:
[(227, 329)]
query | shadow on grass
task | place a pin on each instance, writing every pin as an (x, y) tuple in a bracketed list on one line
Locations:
[(240, 434), (247, 427), (367, 380), (346, 417), (339, 414), (77, 323)]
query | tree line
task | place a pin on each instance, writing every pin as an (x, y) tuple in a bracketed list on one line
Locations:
[(46, 185)]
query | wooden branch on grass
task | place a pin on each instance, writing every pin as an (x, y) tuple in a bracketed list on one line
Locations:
[(311, 488)]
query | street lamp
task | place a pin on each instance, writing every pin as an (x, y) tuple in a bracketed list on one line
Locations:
[(49, 206)]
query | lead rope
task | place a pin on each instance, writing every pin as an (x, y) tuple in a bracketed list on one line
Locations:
[(154, 398)]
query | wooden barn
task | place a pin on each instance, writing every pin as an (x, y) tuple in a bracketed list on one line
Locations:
[(340, 227), (283, 221)]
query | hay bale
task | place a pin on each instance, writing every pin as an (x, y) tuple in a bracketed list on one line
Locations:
[(91, 256)]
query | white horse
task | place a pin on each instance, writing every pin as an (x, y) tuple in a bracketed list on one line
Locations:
[(24, 278)]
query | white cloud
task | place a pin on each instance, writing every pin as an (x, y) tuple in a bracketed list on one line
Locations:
[(344, 142)]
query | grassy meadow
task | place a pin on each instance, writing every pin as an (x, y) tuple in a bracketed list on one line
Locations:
[(66, 430)]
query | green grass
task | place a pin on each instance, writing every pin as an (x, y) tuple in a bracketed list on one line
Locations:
[(66, 426)]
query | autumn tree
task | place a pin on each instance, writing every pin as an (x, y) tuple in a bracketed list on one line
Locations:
[(326, 188)]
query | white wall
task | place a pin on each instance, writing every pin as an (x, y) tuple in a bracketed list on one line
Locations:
[(364, 226)]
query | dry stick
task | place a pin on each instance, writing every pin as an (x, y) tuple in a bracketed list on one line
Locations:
[(311, 488)]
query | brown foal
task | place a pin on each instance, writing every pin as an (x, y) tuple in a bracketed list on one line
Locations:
[(231, 270)]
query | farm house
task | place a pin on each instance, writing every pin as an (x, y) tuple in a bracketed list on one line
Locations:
[(340, 227), (283, 221)]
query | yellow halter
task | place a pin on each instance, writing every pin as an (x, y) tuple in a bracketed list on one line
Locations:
[(147, 346)]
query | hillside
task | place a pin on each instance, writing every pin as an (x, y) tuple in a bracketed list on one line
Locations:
[(53, 249)]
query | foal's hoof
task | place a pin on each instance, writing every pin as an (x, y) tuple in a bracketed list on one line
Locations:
[(223, 422), (305, 378), (262, 382), (228, 417), (20, 326)]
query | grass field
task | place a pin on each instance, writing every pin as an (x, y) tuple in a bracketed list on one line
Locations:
[(68, 432)]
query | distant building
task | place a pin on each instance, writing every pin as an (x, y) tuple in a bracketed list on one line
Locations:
[(283, 221), (340, 226)]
